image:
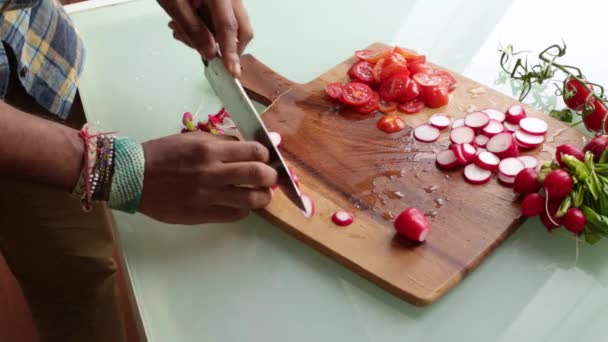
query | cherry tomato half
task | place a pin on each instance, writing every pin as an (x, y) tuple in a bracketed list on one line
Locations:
[(362, 71), (411, 107), (428, 80), (447, 79), (575, 94), (387, 107), (411, 90), (371, 106), (411, 56), (371, 56), (435, 97), (356, 94), (394, 87), (417, 68), (390, 124), (333, 90), (594, 117), (393, 64), (377, 72)]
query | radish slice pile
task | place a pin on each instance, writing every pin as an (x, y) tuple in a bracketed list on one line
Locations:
[(506, 180), (476, 175), (440, 121), (462, 135), (526, 140), (534, 126), (511, 127), (309, 205), (487, 160), (477, 120), (510, 167), (495, 114), (342, 218), (481, 140), (447, 160), (514, 114), (465, 153), (502, 145), (426, 133), (275, 138), (494, 127)]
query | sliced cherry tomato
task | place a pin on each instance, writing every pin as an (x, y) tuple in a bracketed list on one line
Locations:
[(417, 68), (387, 107), (390, 124), (334, 90), (356, 94), (427, 80), (412, 91), (436, 96), (447, 79), (393, 64), (371, 106), (362, 71), (394, 87), (411, 107), (411, 56), (593, 117), (377, 72), (575, 94), (371, 56)]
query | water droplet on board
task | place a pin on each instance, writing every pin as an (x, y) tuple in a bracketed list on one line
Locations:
[(399, 194), (439, 202), (432, 213), (430, 189)]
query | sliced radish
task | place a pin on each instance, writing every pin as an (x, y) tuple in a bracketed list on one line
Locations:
[(477, 120), (528, 139), (426, 133), (511, 166), (502, 145), (534, 126), (481, 140), (511, 127), (457, 123), (487, 161), (440, 121), (529, 162), (494, 127), (524, 146), (514, 114), (506, 180), (447, 160), (465, 153), (342, 218), (462, 135), (309, 205), (275, 138), (495, 114), (481, 149), (476, 175)]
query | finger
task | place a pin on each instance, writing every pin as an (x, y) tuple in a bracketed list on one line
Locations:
[(217, 214), (185, 16), (253, 174), (245, 198), (245, 33), (226, 28), (179, 34), (240, 151)]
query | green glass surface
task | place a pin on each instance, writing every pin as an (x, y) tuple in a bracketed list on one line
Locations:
[(249, 281)]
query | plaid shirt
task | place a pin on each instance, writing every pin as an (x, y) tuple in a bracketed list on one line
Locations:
[(48, 50)]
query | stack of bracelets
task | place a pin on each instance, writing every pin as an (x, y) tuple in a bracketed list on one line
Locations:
[(112, 171)]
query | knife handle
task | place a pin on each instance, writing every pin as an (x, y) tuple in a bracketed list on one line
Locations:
[(261, 83)]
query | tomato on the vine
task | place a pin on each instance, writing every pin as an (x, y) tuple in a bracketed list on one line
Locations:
[(436, 96), (575, 94), (594, 116), (390, 124)]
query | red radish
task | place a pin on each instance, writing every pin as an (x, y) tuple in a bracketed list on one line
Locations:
[(505, 180), (511, 127), (570, 150), (342, 218), (187, 118), (447, 160), (462, 135), (575, 220), (534, 126), (528, 139), (412, 225), (457, 123), (440, 121), (526, 182), (495, 114), (465, 153), (597, 146), (510, 166), (477, 120), (558, 184), (514, 114), (309, 204), (476, 175), (275, 138), (494, 127), (294, 176), (481, 140), (529, 162), (532, 205), (426, 133), (487, 160), (551, 222), (502, 145)]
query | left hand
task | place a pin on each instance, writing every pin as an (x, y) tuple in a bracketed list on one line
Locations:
[(230, 28)]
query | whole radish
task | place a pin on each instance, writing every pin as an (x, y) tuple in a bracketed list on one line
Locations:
[(575, 220), (551, 222), (597, 146), (558, 184), (532, 205), (568, 149), (412, 225), (526, 182)]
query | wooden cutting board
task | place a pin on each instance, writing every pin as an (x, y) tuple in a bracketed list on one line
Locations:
[(344, 162)]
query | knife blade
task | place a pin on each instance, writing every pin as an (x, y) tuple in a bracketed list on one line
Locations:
[(232, 95)]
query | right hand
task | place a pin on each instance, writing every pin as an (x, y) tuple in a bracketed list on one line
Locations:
[(195, 178)]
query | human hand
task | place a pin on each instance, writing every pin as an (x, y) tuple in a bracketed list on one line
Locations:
[(201, 23), (194, 178)]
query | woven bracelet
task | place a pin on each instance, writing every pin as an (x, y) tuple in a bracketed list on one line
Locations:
[(128, 180)]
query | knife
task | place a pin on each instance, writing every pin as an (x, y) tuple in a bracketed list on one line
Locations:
[(230, 91)]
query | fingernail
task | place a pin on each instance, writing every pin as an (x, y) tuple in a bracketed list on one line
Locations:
[(235, 69)]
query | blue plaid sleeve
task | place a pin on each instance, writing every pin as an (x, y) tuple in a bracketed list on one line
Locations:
[(9, 5)]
